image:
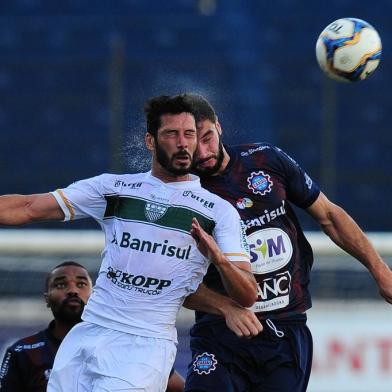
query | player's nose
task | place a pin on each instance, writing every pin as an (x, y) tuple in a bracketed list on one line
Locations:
[(201, 152), (73, 290), (182, 141)]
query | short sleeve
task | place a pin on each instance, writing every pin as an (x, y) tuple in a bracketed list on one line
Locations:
[(229, 233), (301, 189), (83, 199)]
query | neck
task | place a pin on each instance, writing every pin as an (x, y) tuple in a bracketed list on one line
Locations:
[(61, 329), (165, 176), (225, 162)]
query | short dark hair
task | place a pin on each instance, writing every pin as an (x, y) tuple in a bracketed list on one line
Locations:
[(164, 104), (202, 109), (67, 263)]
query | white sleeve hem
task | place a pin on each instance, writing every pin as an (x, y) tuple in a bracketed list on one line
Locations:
[(237, 257), (61, 202)]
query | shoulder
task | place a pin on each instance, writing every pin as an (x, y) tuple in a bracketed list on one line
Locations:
[(129, 181), (117, 180), (29, 343), (265, 153), (252, 149), (202, 200), (112, 183), (213, 201)]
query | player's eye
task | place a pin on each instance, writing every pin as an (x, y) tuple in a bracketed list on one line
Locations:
[(82, 284), (191, 133), (60, 285)]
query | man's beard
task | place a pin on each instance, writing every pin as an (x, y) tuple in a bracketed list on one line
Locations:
[(68, 315), (209, 171), (167, 162)]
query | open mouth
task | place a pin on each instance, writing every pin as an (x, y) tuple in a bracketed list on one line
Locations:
[(182, 158)]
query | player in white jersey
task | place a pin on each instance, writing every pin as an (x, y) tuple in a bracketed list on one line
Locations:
[(161, 232), (150, 258)]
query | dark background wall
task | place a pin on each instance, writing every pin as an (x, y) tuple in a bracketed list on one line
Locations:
[(74, 76)]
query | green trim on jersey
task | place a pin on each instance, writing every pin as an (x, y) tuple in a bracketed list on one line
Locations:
[(173, 216)]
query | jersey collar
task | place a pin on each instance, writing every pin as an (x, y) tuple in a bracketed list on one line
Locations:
[(49, 334), (193, 183)]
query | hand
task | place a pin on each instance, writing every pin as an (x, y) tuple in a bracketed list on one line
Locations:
[(242, 321), (385, 285), (205, 243)]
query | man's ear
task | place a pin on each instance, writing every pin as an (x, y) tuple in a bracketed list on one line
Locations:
[(218, 127), (150, 141), (46, 300)]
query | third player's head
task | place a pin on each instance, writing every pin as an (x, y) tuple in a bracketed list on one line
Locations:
[(171, 136), (68, 287), (210, 156)]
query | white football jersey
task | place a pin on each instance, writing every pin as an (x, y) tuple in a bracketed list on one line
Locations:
[(150, 262)]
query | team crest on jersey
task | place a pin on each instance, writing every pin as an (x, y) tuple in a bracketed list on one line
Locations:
[(244, 202), (154, 211), (204, 363), (260, 183)]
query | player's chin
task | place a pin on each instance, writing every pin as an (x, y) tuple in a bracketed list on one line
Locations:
[(70, 316), (203, 170), (73, 311), (180, 170), (182, 164)]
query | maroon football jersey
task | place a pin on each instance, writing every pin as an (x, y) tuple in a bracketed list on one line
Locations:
[(262, 182), (28, 362)]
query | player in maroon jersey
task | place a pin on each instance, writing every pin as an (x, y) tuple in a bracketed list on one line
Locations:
[(28, 362), (263, 182)]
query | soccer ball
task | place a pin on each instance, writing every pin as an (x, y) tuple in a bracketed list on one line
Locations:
[(348, 49)]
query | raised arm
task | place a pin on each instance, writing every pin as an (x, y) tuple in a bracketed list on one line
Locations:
[(16, 210), (237, 277), (345, 233), (240, 320)]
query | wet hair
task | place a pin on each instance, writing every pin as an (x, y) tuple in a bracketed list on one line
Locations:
[(164, 104), (68, 263), (202, 109)]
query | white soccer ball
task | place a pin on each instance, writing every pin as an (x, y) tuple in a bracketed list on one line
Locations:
[(348, 49)]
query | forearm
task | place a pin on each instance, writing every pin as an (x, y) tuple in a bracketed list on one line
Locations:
[(209, 301), (242, 321), (343, 230), (237, 278), (13, 210), (16, 210), (240, 284)]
